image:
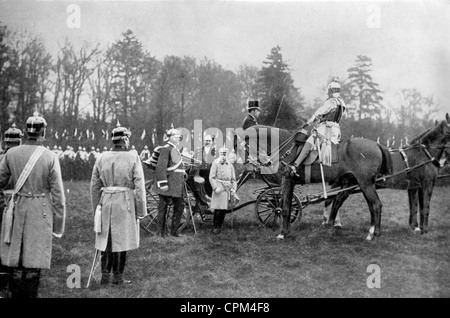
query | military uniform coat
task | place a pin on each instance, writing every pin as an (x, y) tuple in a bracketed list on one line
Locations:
[(40, 208), (118, 185), (169, 172), (222, 176)]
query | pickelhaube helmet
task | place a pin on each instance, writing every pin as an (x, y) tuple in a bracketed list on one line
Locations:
[(36, 124), (13, 134), (119, 132), (174, 132), (253, 104), (334, 87)]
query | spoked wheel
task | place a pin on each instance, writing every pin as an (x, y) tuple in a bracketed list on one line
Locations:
[(269, 205), (150, 222)]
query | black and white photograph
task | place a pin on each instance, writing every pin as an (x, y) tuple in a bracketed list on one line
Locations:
[(224, 154)]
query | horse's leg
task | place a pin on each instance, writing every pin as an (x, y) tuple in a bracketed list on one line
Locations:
[(424, 202), (334, 217), (287, 190), (413, 205), (337, 203), (375, 207)]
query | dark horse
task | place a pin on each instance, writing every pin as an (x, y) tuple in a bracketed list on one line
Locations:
[(369, 165), (279, 146)]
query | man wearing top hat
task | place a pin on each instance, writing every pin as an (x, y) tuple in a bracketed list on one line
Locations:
[(253, 112), (118, 190), (169, 185), (36, 211)]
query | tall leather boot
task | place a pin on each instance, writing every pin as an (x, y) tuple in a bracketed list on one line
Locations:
[(119, 268), (219, 217), (33, 277), (5, 278), (178, 208), (161, 218), (301, 157), (106, 264), (16, 285)]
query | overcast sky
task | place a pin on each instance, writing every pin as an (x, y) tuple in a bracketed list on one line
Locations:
[(409, 41)]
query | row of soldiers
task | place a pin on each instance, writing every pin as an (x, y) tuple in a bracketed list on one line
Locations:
[(75, 164)]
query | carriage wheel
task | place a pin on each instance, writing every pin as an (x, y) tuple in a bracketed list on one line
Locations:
[(150, 222), (268, 208)]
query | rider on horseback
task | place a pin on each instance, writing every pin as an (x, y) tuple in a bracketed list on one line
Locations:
[(329, 114)]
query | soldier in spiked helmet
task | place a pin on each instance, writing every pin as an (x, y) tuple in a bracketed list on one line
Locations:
[(13, 138), (119, 199), (170, 183), (36, 211)]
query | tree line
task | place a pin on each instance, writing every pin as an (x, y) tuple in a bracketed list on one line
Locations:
[(83, 91)]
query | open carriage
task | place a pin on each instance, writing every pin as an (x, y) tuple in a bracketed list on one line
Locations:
[(197, 194), (268, 202)]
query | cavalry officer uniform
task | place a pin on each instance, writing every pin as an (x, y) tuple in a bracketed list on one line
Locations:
[(118, 193), (328, 130), (35, 212), (223, 182), (169, 183)]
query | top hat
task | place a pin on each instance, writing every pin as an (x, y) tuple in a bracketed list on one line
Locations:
[(253, 104)]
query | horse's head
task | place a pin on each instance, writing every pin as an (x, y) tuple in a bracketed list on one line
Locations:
[(436, 139), (436, 136)]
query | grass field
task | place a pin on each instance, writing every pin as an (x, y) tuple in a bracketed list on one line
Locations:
[(246, 260)]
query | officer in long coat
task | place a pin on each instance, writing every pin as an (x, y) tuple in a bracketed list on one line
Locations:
[(223, 182), (39, 211), (13, 138), (118, 188), (169, 176)]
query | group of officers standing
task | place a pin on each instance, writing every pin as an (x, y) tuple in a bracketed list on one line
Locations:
[(34, 206)]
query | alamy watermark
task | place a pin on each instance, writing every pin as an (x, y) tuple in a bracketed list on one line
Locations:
[(374, 279), (250, 143)]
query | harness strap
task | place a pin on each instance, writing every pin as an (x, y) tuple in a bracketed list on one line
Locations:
[(405, 158)]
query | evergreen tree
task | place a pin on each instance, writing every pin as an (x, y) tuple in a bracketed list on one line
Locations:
[(280, 100), (364, 93)]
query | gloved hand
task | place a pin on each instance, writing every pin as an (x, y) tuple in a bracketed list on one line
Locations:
[(218, 190)]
